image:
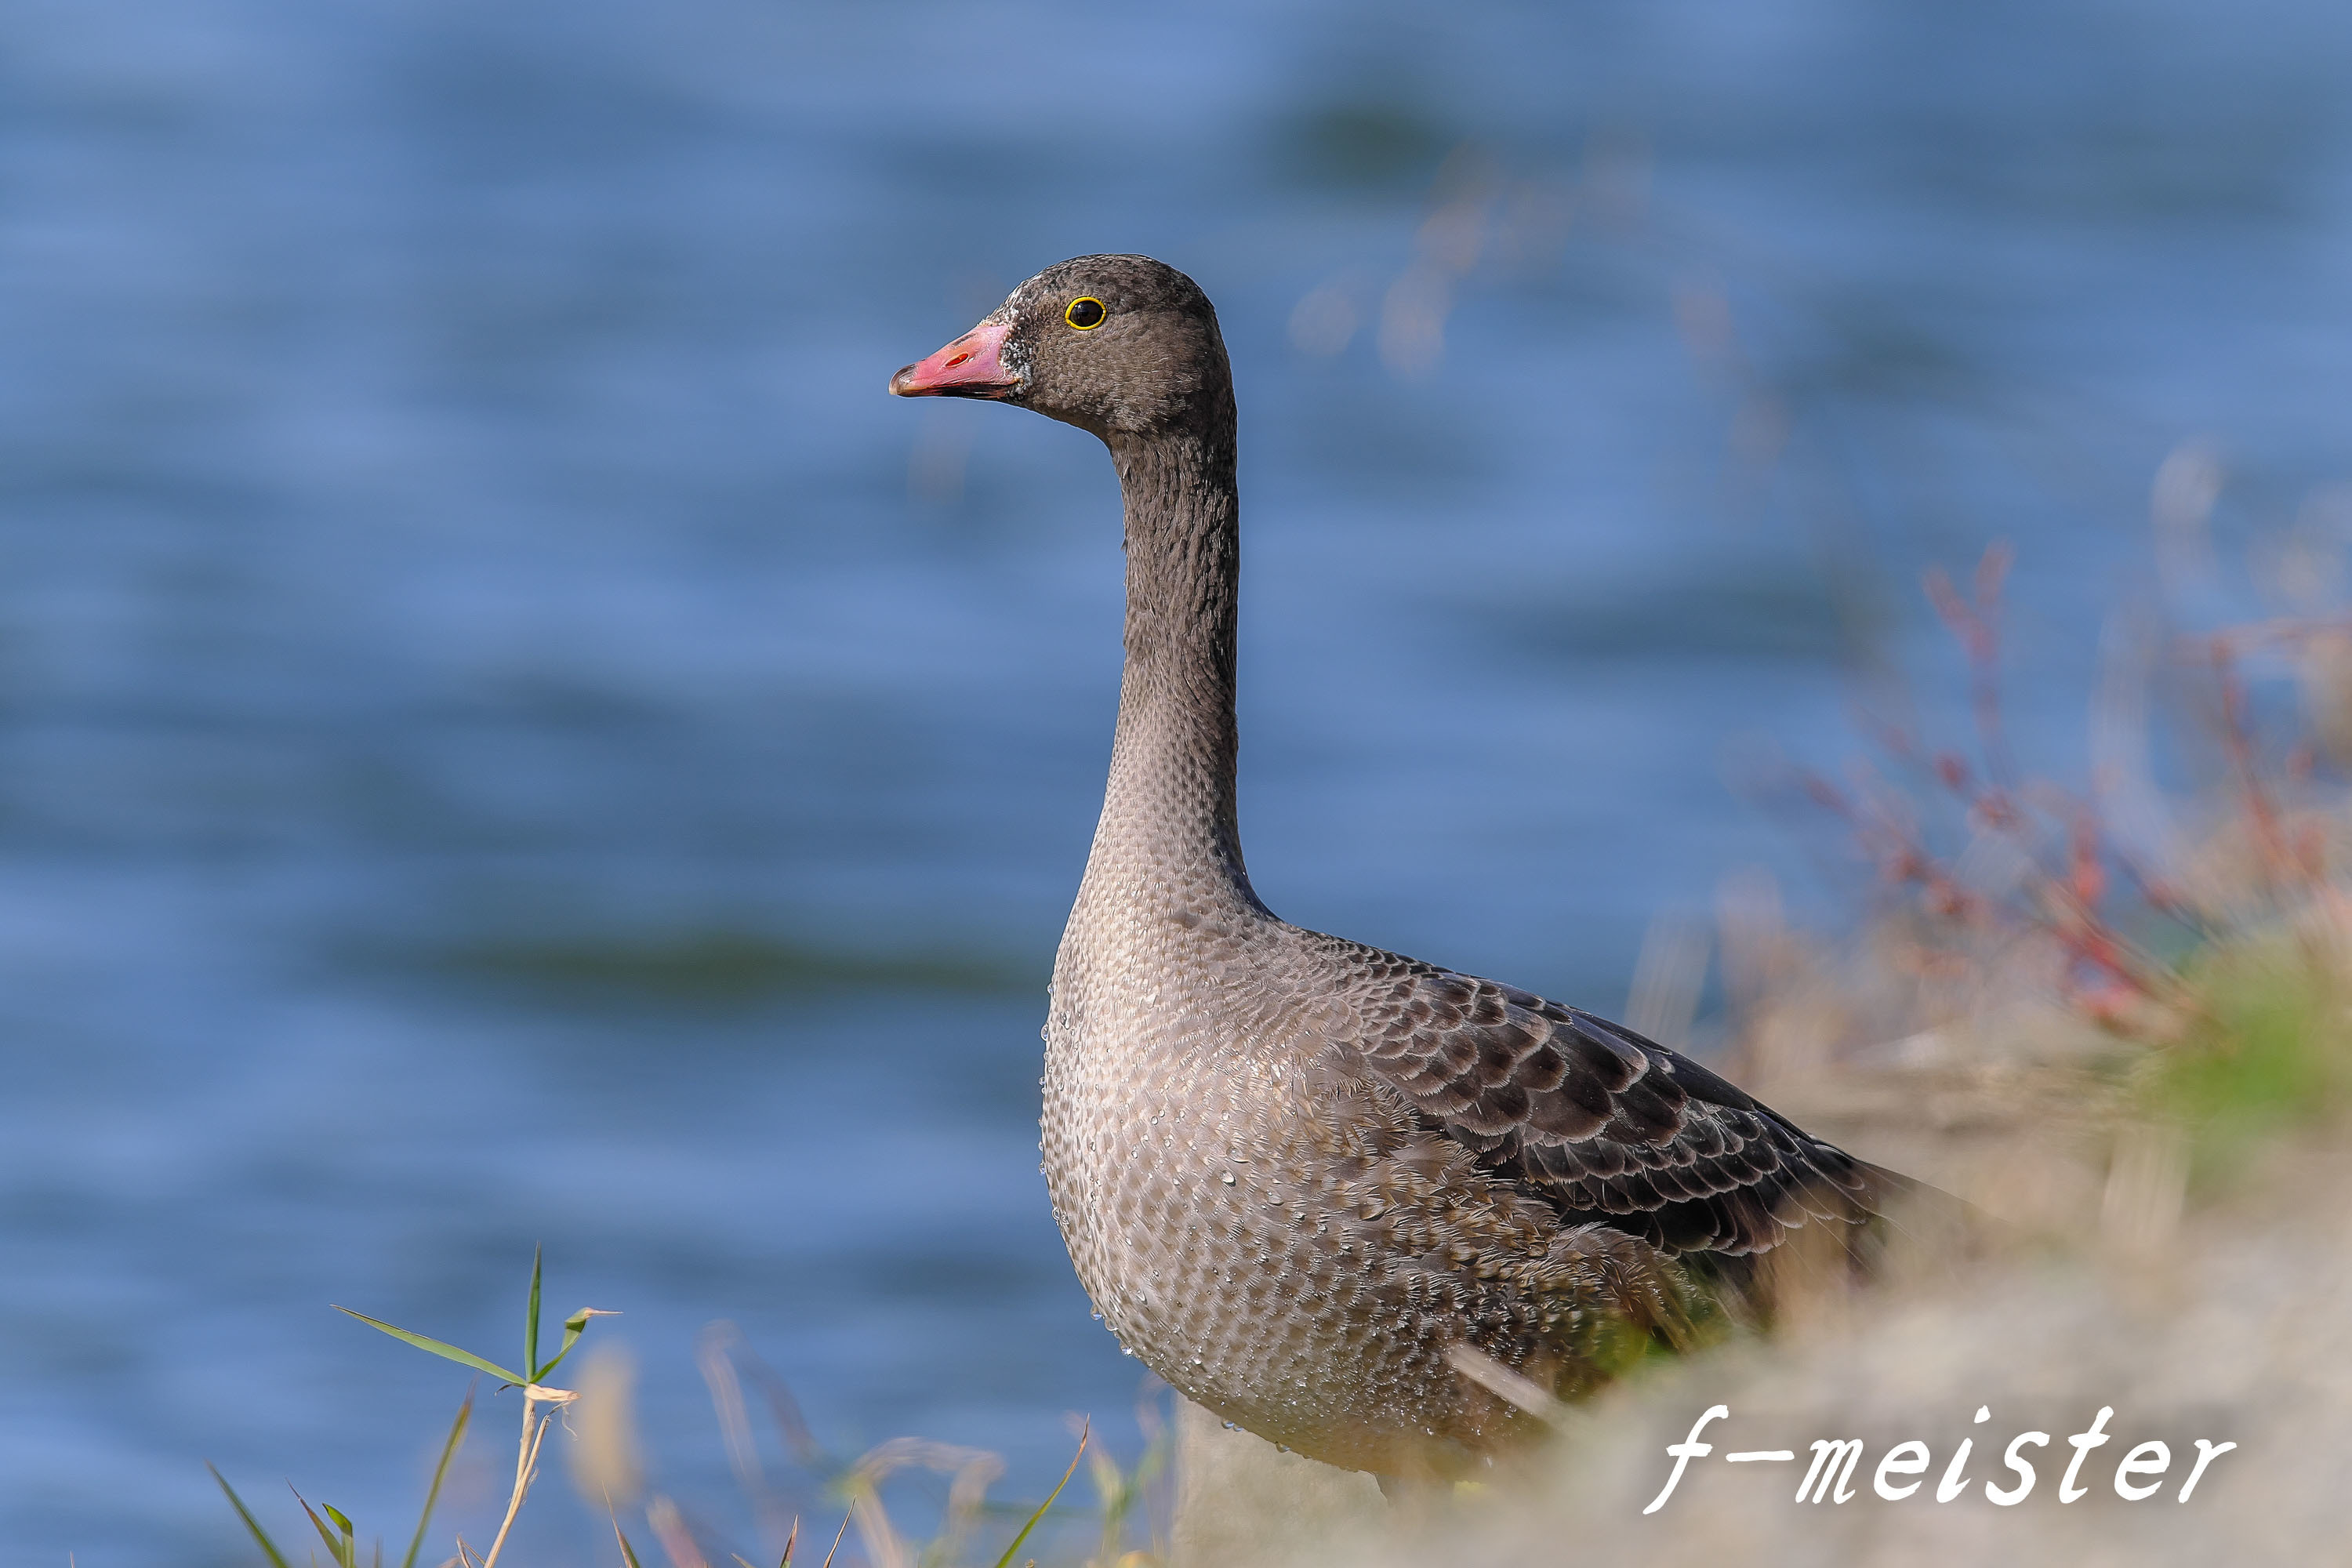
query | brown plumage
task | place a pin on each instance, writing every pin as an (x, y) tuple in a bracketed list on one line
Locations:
[(1294, 1172)]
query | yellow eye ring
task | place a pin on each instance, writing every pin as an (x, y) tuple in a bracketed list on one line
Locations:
[(1087, 312)]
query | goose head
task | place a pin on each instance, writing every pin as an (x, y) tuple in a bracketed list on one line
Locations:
[(1119, 345)]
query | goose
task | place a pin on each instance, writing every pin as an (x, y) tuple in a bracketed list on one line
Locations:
[(1337, 1196)]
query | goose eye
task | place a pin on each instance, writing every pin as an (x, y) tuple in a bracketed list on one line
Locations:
[(1086, 313)]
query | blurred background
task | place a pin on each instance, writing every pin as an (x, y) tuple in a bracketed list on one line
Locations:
[(508, 736)]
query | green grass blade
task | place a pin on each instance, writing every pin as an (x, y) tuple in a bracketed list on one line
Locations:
[(261, 1536), (449, 1352), (350, 1536), (531, 1321), (573, 1326), (628, 1553), (440, 1472), (1006, 1560), (334, 1547)]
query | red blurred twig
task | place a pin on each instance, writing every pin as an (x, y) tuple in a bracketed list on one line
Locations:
[(2066, 890), (2238, 744), (1976, 624)]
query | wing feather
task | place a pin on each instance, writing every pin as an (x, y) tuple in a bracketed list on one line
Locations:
[(1597, 1122)]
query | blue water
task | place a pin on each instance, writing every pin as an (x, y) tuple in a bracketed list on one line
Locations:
[(507, 736)]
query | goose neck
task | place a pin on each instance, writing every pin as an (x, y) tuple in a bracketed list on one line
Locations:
[(1171, 800)]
